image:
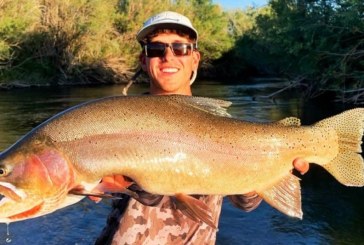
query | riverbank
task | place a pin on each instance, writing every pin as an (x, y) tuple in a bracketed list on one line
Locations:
[(90, 42), (278, 86)]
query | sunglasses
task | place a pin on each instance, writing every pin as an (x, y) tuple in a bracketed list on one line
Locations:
[(158, 49)]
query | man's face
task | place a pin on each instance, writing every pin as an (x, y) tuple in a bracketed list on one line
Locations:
[(170, 74)]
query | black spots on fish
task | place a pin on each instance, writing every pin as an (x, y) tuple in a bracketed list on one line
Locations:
[(347, 168), (167, 152), (256, 131), (291, 145), (167, 121), (59, 134), (92, 142), (289, 122), (298, 143), (301, 143), (232, 145), (190, 125)]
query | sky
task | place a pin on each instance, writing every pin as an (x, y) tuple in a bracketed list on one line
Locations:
[(231, 4)]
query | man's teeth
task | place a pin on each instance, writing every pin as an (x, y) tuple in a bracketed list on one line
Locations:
[(170, 70)]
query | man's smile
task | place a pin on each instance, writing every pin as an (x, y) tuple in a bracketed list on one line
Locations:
[(169, 70)]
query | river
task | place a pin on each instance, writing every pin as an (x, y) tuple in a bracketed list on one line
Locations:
[(333, 214)]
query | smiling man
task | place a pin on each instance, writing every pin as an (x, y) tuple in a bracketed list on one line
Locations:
[(170, 58)]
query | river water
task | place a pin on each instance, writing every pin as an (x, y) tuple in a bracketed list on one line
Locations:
[(333, 214)]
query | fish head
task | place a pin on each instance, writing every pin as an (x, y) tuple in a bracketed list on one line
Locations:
[(34, 181)]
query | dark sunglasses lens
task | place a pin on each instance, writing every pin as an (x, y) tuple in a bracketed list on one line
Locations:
[(159, 49), (155, 49), (181, 49)]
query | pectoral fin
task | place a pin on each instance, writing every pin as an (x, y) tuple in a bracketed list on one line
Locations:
[(113, 184), (194, 208), (285, 196), (108, 184), (92, 195), (247, 202), (144, 197)]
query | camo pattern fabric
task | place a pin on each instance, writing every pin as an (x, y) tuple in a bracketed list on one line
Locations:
[(163, 224)]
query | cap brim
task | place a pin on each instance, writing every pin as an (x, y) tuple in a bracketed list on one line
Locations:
[(143, 33)]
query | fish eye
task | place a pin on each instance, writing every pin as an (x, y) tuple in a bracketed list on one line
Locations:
[(3, 171)]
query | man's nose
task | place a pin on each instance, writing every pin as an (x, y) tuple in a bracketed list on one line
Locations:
[(168, 54)]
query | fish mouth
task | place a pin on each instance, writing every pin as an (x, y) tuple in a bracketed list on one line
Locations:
[(11, 195), (10, 192)]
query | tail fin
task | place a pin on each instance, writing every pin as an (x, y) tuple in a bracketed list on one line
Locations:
[(348, 166)]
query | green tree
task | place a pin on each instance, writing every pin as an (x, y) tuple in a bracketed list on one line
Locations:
[(92, 40), (318, 43)]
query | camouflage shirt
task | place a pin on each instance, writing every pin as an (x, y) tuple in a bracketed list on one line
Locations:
[(161, 224)]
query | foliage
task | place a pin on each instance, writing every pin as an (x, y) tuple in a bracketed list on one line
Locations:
[(319, 44), (91, 40), (62, 38), (15, 22)]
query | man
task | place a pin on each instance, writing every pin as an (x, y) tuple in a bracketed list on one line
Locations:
[(170, 58)]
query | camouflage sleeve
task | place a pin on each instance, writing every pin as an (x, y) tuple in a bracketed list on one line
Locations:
[(163, 224)]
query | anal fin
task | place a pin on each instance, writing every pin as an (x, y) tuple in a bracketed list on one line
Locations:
[(285, 196), (194, 208)]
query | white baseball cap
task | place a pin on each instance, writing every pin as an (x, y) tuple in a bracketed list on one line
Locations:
[(167, 19)]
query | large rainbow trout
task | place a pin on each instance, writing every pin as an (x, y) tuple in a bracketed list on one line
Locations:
[(176, 146)]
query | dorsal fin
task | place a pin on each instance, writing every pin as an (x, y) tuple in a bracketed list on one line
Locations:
[(285, 196), (213, 106)]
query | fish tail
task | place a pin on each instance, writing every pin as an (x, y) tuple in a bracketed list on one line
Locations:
[(348, 166)]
